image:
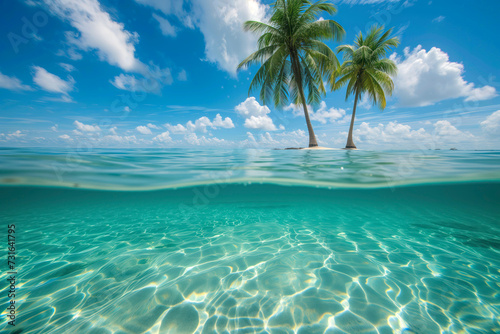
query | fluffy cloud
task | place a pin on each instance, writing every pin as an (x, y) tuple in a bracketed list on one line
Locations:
[(491, 125), (226, 123), (97, 31), (392, 132), (93, 136), (221, 22), (297, 138), (112, 42), (65, 137), (14, 137), (86, 128), (144, 130), (51, 82), (480, 94), (323, 114), (446, 129), (193, 139), (425, 78), (12, 83), (256, 115), (176, 129), (402, 135), (127, 82), (201, 125), (152, 126), (16, 134), (163, 138)]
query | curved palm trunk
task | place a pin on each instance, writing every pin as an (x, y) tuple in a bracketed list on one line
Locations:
[(350, 142), (298, 76), (312, 136)]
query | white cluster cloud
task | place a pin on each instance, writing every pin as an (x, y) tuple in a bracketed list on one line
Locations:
[(395, 133), (144, 130), (256, 115), (116, 139), (112, 43), (425, 78), (16, 134), (491, 125), (93, 135), (153, 126), (86, 128), (201, 125), (323, 114), (445, 129), (176, 129), (15, 137), (297, 138), (97, 31), (392, 132), (51, 82), (163, 138), (12, 83), (221, 22), (128, 82), (193, 139), (440, 133)]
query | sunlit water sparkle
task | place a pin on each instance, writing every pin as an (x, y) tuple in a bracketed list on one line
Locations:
[(253, 241)]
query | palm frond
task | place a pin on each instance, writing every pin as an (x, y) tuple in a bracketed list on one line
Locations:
[(365, 69)]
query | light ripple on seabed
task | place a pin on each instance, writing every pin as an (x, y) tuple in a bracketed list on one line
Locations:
[(268, 261)]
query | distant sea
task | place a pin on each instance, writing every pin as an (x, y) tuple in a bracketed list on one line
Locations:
[(251, 241)]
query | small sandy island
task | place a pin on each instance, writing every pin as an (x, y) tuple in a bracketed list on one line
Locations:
[(312, 148)]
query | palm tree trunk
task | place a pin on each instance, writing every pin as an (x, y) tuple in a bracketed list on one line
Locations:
[(350, 142), (298, 76), (312, 136)]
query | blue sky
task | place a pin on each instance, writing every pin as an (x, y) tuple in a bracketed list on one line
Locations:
[(161, 73)]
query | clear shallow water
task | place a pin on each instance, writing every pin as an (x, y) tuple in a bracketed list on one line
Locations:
[(370, 250), (146, 169)]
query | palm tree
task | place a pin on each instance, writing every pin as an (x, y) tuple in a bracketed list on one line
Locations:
[(366, 70), (292, 55)]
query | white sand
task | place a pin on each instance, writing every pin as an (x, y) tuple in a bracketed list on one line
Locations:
[(320, 148)]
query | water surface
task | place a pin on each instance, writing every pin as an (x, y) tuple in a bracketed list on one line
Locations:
[(254, 241)]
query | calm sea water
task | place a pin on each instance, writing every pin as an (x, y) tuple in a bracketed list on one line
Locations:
[(252, 241)]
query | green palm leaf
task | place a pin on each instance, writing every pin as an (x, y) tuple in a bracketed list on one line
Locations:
[(293, 60), (366, 70)]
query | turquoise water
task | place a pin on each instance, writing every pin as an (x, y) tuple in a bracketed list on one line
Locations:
[(253, 241)]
